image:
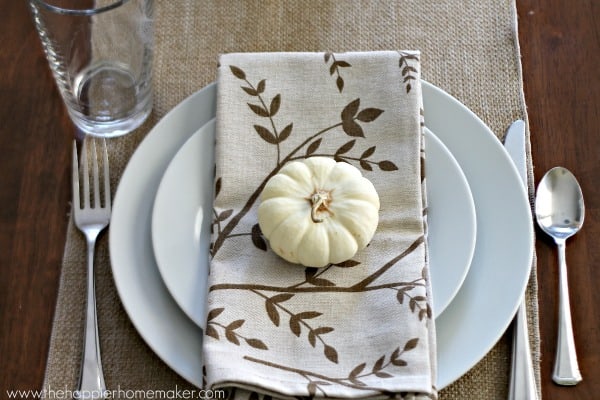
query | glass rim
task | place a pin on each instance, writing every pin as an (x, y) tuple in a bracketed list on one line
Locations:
[(81, 12)]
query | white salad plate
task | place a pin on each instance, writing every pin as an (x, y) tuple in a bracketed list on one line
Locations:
[(183, 212), (468, 328)]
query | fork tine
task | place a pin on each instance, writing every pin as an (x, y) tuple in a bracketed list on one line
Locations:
[(75, 177), (86, 175), (95, 175), (106, 175)]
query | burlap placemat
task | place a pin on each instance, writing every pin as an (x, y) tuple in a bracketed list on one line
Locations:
[(469, 48)]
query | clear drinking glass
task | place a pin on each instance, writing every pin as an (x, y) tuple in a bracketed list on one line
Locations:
[(100, 52)]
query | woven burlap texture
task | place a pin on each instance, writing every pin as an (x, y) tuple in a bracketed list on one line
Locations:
[(469, 49)]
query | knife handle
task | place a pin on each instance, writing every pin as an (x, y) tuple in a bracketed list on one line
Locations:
[(522, 381)]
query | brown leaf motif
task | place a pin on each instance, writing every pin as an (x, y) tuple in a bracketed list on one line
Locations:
[(275, 103), (334, 69), (387, 165), (230, 330), (356, 378), (350, 114), (346, 147), (331, 353), (285, 132), (347, 264), (369, 114), (262, 110), (297, 319), (271, 135), (350, 110), (257, 344), (257, 238), (310, 276), (271, 306), (409, 72), (266, 134), (259, 110), (224, 215), (354, 122), (212, 332), (316, 333), (217, 187), (214, 313), (313, 147), (237, 72)]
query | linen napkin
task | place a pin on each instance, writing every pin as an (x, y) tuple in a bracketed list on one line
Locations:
[(359, 329)]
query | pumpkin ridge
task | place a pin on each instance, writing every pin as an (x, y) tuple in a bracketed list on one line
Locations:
[(306, 244), (278, 235), (275, 203), (280, 186), (333, 226)]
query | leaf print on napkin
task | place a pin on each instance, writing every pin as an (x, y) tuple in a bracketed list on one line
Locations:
[(364, 161), (230, 330), (270, 135), (383, 368), (416, 303), (407, 61), (311, 275), (258, 239), (334, 68), (314, 282), (297, 321), (349, 115)]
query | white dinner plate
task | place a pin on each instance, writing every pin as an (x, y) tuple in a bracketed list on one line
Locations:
[(468, 328), (181, 231), (488, 298)]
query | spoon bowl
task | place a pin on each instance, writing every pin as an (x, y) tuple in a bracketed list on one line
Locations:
[(559, 211), (559, 207)]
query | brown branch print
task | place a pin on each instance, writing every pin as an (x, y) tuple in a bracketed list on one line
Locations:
[(297, 321), (383, 368), (340, 156), (315, 283), (406, 63), (272, 136), (352, 119), (349, 117), (416, 303), (368, 280), (230, 330), (364, 285), (311, 289), (334, 68)]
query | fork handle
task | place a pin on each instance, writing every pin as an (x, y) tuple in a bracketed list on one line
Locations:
[(91, 380)]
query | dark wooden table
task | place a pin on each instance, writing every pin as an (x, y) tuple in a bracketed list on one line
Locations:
[(560, 44)]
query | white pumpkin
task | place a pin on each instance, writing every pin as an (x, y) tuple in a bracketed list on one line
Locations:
[(318, 211)]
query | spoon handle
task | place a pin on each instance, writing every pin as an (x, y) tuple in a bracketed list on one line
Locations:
[(566, 369)]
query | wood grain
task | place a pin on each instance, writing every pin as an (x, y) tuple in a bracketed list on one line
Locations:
[(560, 44), (35, 137)]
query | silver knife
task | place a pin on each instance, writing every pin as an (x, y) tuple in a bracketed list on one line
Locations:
[(522, 380)]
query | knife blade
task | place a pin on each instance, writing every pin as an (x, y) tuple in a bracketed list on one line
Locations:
[(514, 143), (522, 379)]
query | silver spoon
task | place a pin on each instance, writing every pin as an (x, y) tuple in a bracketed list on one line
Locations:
[(559, 211)]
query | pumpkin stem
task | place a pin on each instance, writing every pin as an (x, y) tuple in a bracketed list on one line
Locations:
[(319, 201)]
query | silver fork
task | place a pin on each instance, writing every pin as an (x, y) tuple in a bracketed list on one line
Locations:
[(91, 220)]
